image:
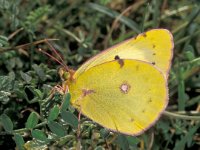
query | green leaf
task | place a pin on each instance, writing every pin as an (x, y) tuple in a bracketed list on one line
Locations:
[(38, 93), (122, 142), (7, 82), (111, 13), (53, 113), (70, 118), (32, 120), (189, 52), (26, 77), (4, 97), (36, 16), (3, 38), (104, 133), (181, 90), (3, 41), (40, 72), (39, 135), (133, 141), (4, 4), (66, 102), (187, 138), (35, 145), (57, 129), (7, 123), (19, 141)]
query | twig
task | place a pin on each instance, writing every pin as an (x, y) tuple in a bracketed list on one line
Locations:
[(2, 50), (179, 116)]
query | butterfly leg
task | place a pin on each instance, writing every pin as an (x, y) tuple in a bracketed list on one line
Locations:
[(60, 89), (78, 146), (79, 125)]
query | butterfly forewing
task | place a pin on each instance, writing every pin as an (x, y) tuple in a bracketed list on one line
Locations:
[(154, 46)]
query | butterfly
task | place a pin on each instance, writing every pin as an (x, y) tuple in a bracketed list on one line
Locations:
[(124, 88)]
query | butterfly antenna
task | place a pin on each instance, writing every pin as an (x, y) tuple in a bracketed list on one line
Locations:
[(60, 60), (57, 54), (53, 58)]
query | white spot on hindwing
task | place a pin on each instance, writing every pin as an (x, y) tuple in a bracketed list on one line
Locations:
[(124, 87)]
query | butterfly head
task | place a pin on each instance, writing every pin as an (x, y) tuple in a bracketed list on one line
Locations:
[(66, 75)]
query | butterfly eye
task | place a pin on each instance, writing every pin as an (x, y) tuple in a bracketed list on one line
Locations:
[(64, 75)]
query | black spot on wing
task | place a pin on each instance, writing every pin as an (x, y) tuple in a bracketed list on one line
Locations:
[(150, 100), (117, 57), (137, 67), (120, 61), (135, 37), (144, 35)]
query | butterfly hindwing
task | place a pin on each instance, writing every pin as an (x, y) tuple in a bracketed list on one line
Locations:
[(122, 95)]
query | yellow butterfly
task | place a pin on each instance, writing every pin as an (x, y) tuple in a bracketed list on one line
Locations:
[(124, 88)]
